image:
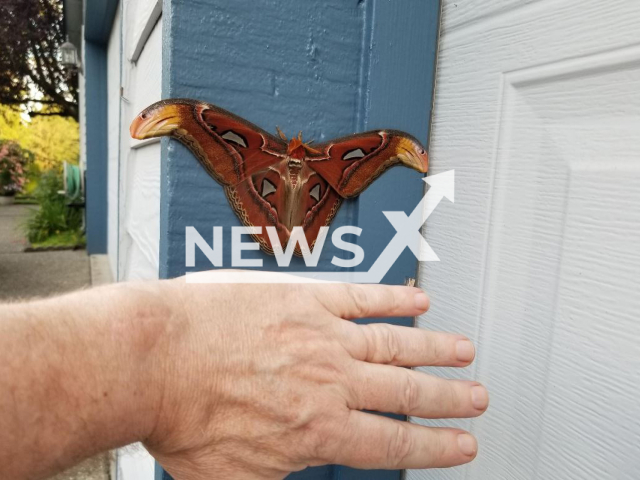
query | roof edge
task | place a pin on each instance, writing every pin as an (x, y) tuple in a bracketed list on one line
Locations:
[(98, 20)]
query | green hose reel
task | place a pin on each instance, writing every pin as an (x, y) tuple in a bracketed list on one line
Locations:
[(73, 184)]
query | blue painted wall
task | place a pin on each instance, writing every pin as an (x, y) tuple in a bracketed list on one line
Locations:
[(327, 68), (399, 94), (293, 64), (95, 71), (98, 19)]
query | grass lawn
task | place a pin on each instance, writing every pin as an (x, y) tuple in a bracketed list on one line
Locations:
[(25, 201), (61, 240)]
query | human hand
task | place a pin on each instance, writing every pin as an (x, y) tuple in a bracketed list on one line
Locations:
[(259, 380)]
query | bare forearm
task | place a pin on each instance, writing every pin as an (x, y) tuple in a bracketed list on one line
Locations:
[(75, 377), (253, 380)]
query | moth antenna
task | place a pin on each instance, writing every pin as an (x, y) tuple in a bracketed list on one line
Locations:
[(300, 135), (312, 150), (282, 135)]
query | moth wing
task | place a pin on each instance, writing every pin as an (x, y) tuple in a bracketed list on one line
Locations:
[(229, 147), (351, 163), (254, 210), (320, 204), (244, 147)]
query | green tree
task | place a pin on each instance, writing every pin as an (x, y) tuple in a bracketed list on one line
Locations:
[(31, 31), (51, 139), (11, 124)]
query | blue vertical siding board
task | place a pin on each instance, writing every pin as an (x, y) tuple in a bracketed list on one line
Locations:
[(400, 86), (165, 158), (95, 71), (292, 64), (327, 68), (98, 21), (159, 473)]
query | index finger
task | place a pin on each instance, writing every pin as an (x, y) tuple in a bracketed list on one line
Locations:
[(350, 301)]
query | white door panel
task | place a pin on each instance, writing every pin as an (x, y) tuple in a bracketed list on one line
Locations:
[(142, 15), (139, 187), (140, 167), (538, 111), (141, 222)]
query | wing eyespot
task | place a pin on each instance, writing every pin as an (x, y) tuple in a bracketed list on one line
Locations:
[(267, 188), (315, 192), (353, 154), (231, 136)]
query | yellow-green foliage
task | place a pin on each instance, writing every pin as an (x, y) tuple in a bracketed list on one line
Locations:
[(51, 139), (11, 127), (54, 216)]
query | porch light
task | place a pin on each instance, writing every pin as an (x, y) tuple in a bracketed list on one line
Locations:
[(69, 56)]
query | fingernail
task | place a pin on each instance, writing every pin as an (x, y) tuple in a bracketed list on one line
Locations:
[(422, 301), (479, 397), (465, 351), (467, 444)]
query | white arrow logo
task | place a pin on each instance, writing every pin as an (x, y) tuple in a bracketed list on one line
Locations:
[(408, 228), (407, 235)]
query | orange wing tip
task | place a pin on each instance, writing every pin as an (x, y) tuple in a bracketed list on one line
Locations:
[(156, 121), (413, 155)]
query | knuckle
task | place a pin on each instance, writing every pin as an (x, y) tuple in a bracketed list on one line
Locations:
[(411, 397), (359, 299), (385, 346), (392, 343), (321, 442), (295, 418), (400, 446)]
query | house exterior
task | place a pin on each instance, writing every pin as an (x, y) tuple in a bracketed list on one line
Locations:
[(536, 113), (121, 47)]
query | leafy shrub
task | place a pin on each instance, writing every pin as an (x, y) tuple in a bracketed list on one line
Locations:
[(13, 164), (54, 216)]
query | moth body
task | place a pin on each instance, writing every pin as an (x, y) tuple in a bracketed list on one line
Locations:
[(290, 187)]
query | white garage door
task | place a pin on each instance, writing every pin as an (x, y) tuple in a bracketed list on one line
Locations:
[(113, 112), (538, 111), (140, 161), (139, 174)]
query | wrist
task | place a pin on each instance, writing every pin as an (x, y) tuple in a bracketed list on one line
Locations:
[(140, 335), (79, 375)]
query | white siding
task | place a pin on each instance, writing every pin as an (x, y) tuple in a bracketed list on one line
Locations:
[(82, 115), (142, 15), (140, 163), (113, 110), (537, 111), (134, 463), (139, 177)]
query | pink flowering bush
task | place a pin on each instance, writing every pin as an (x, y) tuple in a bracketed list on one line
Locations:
[(13, 165)]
